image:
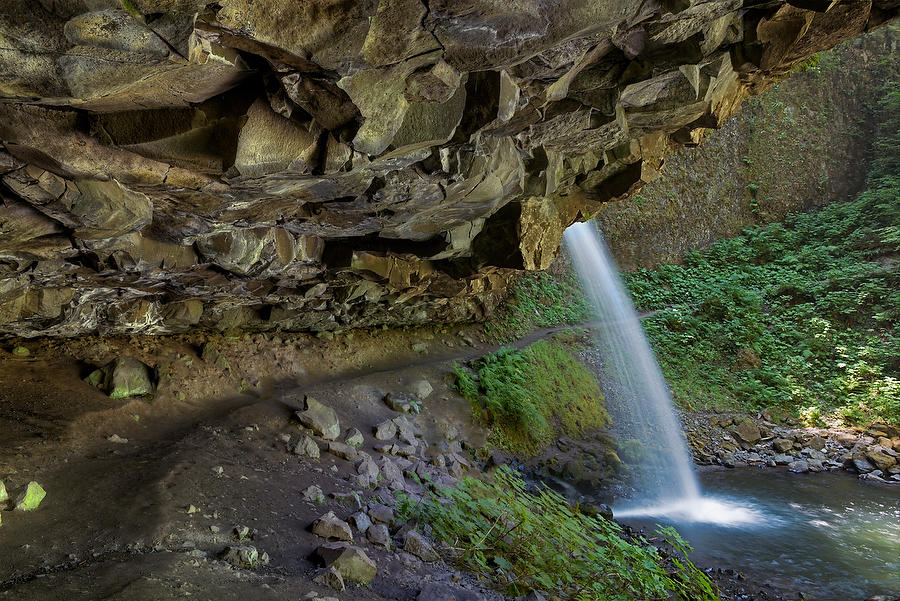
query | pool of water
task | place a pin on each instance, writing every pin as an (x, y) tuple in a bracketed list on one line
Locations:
[(829, 535)]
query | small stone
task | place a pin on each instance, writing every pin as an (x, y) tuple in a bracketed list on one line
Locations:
[(782, 445), (218, 470), (4, 496), (422, 389), (420, 347), (314, 494), (386, 430), (21, 351), (342, 450), (320, 418), (242, 533), (31, 498), (306, 447), (354, 438), (245, 557), (419, 546), (192, 510), (379, 536), (352, 562), (330, 577), (381, 513), (360, 521), (115, 438), (330, 527)]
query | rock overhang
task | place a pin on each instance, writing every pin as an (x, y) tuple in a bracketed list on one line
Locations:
[(176, 165)]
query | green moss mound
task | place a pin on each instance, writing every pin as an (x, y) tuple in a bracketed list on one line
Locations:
[(530, 396)]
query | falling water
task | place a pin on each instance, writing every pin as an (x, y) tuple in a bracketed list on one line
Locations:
[(638, 400)]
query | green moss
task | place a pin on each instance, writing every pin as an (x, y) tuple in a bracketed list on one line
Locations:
[(32, 497), (528, 397), (21, 351)]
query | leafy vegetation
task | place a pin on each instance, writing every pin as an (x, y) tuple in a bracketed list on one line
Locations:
[(539, 300), (530, 396), (801, 314), (533, 540)]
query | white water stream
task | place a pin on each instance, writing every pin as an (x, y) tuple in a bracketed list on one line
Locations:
[(644, 420)]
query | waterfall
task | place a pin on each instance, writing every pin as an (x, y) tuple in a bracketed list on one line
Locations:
[(644, 420)]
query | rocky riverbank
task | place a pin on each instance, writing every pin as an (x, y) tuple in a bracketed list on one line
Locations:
[(740, 440)]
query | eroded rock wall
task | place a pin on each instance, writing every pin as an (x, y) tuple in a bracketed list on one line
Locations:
[(173, 164), (803, 143)]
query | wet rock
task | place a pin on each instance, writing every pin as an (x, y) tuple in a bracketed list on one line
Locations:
[(330, 527), (861, 465), (378, 535), (800, 467), (245, 556), (314, 494), (306, 447), (351, 562), (330, 577), (417, 545), (386, 430), (354, 438), (320, 418), (31, 497)]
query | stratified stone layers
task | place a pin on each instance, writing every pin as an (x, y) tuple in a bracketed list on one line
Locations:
[(323, 165)]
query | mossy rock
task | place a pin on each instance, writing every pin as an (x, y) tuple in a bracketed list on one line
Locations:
[(129, 377), (21, 351), (31, 498)]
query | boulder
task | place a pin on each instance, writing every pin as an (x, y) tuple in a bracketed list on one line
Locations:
[(360, 521), (351, 562), (861, 465), (320, 418), (798, 466), (378, 535), (380, 513), (354, 438), (330, 527), (880, 459), (31, 497), (782, 445), (420, 547), (748, 431), (4, 496), (122, 378)]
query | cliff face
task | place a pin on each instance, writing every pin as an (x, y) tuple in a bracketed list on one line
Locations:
[(173, 164), (803, 143)]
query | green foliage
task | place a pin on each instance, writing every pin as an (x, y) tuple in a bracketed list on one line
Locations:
[(539, 300), (801, 314), (528, 396), (526, 540)]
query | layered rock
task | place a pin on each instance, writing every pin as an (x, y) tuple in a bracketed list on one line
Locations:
[(322, 165)]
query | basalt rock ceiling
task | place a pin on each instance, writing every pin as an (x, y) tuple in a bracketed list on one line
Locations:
[(318, 165)]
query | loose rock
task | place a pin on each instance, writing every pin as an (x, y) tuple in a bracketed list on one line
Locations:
[(354, 438), (330, 527), (31, 498), (386, 430), (332, 578), (379, 536), (351, 562), (419, 546), (314, 494), (245, 556), (306, 447), (320, 418)]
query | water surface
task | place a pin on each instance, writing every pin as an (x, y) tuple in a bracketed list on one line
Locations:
[(829, 535)]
